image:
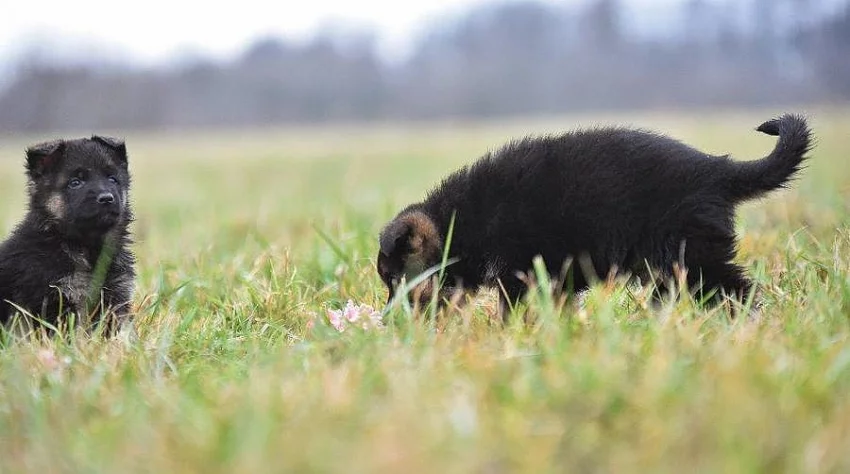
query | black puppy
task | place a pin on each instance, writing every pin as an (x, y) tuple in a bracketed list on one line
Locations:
[(622, 200), (70, 254)]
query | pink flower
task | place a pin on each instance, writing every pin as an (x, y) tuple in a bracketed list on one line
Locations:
[(351, 313), (335, 318), (50, 361), (364, 316)]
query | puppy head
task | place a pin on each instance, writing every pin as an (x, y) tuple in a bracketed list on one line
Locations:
[(80, 186), (410, 244)]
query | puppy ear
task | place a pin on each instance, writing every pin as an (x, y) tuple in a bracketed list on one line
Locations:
[(115, 144), (414, 234), (394, 237), (43, 156)]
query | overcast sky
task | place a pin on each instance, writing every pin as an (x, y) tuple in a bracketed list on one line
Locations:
[(154, 31)]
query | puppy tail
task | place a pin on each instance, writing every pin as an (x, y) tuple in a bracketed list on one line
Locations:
[(751, 179)]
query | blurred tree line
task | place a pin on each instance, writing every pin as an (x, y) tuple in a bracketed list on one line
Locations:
[(499, 59)]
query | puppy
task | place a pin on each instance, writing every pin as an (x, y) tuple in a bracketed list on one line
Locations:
[(619, 200), (71, 253)]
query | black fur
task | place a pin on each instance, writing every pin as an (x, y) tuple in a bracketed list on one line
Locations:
[(628, 200), (77, 223)]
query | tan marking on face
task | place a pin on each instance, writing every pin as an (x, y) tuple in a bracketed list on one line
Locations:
[(56, 205), (413, 266)]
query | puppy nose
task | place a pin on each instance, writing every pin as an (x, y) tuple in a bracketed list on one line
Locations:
[(105, 198)]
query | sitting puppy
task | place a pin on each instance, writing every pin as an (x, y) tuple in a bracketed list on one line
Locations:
[(620, 200), (70, 254)]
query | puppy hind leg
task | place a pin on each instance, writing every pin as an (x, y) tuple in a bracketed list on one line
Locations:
[(708, 261), (723, 278)]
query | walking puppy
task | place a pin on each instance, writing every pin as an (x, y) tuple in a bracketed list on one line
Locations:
[(622, 200), (70, 253)]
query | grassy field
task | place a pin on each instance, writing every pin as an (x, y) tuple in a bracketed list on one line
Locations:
[(225, 376)]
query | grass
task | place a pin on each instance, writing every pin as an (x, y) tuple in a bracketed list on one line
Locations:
[(244, 236)]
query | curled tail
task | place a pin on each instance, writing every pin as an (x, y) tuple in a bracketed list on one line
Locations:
[(751, 179)]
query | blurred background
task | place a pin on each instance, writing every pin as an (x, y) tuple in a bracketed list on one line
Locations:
[(157, 65)]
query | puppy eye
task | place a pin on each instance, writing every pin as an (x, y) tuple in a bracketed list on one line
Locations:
[(113, 180), (75, 183)]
